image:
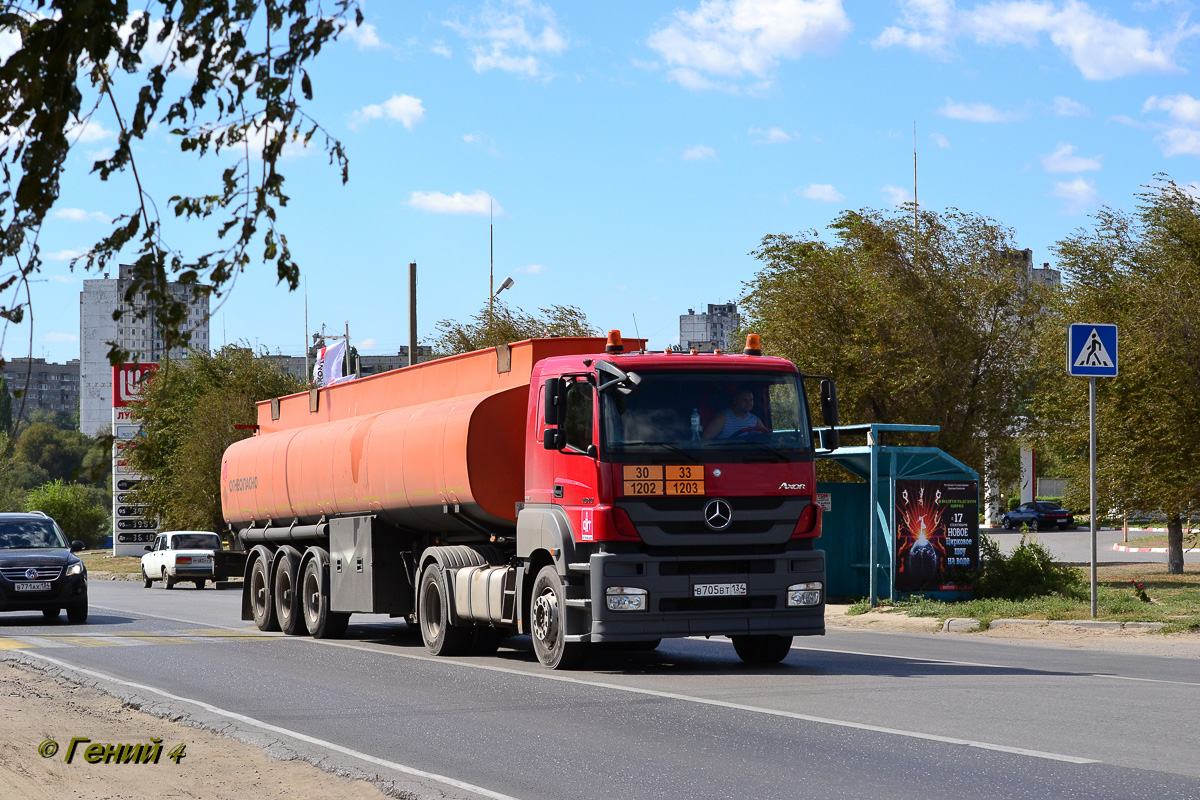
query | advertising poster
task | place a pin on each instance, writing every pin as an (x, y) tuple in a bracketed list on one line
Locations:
[(937, 535)]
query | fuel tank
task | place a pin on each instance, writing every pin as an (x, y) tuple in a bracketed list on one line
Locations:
[(433, 447)]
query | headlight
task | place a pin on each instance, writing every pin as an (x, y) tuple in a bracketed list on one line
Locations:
[(804, 594), (626, 598), (75, 568)]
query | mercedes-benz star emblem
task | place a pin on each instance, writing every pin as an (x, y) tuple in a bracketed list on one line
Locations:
[(718, 514), (31, 573)]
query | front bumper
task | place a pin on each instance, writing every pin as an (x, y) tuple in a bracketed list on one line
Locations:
[(64, 591), (674, 611)]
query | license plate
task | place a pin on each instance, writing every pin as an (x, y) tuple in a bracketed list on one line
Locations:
[(38, 586), (719, 590), (201, 559)]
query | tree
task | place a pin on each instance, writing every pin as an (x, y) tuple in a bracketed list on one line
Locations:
[(73, 507), (504, 325), (60, 453), (1140, 271), (188, 411), (928, 327), (240, 70)]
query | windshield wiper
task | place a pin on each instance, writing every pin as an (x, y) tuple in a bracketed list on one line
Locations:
[(779, 455), (670, 446)]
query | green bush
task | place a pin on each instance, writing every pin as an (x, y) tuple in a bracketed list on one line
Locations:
[(74, 507), (1029, 571)]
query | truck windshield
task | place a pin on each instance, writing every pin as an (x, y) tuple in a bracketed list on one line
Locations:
[(727, 416)]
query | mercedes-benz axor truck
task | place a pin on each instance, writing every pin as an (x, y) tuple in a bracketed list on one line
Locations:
[(576, 490)]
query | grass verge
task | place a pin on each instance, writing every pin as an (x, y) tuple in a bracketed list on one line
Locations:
[(105, 561), (1175, 601)]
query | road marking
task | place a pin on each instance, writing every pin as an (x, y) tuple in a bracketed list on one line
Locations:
[(266, 726), (123, 639)]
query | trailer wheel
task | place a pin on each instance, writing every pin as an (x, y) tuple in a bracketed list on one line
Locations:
[(546, 612), (762, 649), (262, 605), (433, 612), (287, 598), (320, 622)]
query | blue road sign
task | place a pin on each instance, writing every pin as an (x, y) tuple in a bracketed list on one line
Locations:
[(1092, 350)]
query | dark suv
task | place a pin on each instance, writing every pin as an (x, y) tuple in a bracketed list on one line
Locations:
[(39, 571)]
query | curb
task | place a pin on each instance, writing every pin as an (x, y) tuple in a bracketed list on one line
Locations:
[(1126, 549), (1087, 624)]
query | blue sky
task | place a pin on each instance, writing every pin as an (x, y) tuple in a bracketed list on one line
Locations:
[(636, 153)]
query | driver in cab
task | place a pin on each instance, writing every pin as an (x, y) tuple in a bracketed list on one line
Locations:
[(738, 418)]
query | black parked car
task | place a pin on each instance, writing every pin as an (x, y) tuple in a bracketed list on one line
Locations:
[(39, 571), (1039, 516)]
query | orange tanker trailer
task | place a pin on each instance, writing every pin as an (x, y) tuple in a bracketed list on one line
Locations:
[(577, 490)]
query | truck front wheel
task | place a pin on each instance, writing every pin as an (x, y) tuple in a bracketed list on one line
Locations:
[(762, 649), (433, 612), (262, 605), (546, 614)]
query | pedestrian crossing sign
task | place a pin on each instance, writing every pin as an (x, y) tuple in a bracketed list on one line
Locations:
[(1092, 350)]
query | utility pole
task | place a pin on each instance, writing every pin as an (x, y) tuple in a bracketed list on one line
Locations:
[(915, 222), (491, 263), (412, 313)]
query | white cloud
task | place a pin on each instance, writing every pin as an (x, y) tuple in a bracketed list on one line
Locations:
[(65, 255), (61, 337), (1080, 195), (974, 112), (730, 40), (896, 195), (478, 202), (1066, 107), (366, 344), (1101, 48), (1181, 107), (770, 136), (439, 47), (512, 35), (402, 108), (531, 269), (365, 36), (79, 215), (1064, 160), (940, 140), (89, 133), (1180, 141), (700, 152), (822, 193), (70, 279)]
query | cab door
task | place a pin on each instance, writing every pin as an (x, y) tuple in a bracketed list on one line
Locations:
[(576, 469)]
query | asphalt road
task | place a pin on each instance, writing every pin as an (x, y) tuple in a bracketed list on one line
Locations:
[(1075, 546), (851, 714)]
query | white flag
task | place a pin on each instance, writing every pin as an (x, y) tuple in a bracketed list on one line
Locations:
[(328, 368)]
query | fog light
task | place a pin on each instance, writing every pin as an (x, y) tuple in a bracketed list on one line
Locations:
[(804, 594), (626, 598)]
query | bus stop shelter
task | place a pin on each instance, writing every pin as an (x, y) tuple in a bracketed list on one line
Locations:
[(915, 512)]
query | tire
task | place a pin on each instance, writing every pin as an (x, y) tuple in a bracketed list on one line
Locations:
[(168, 581), (287, 595), (433, 612), (319, 621), (1006, 523), (78, 613), (200, 582), (546, 609), (762, 649), (262, 604), (1033, 525), (50, 613), (147, 581)]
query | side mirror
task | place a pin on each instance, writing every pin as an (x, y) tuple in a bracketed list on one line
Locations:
[(554, 439), (77, 545), (829, 412), (555, 402)]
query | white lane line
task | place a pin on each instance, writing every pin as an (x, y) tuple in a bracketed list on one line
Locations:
[(266, 726), (711, 702)]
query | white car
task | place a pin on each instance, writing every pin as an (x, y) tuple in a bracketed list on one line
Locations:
[(180, 556)]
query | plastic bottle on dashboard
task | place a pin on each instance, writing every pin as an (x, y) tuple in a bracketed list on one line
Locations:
[(695, 425)]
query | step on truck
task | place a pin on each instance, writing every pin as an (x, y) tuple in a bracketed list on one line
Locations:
[(580, 491)]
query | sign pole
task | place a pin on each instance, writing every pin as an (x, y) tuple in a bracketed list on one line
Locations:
[(1092, 480)]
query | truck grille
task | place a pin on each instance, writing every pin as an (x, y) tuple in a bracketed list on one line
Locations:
[(676, 521), (43, 573)]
